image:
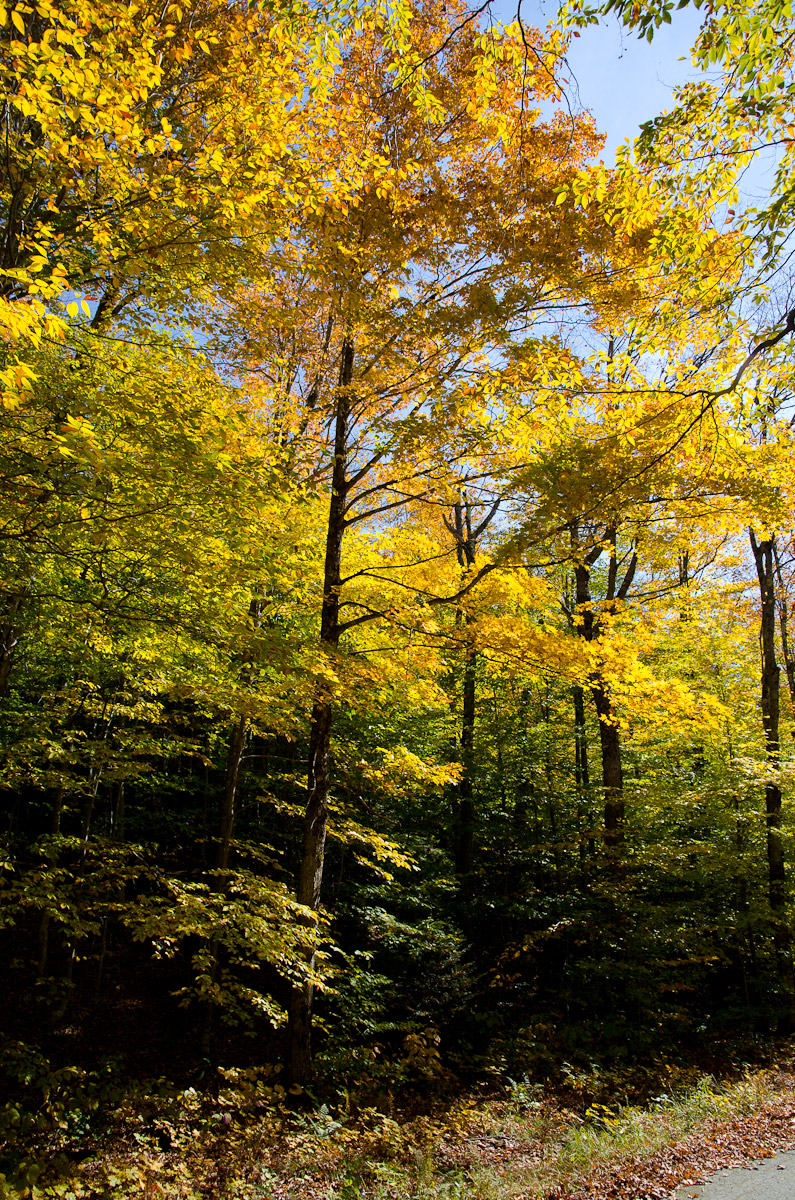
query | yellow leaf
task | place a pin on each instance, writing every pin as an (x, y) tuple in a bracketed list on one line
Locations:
[(18, 22), (72, 309)]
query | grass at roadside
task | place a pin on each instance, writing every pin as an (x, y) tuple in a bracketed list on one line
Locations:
[(526, 1144), (531, 1147)]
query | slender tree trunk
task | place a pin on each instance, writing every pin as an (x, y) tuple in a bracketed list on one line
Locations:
[(582, 774), (523, 784), (588, 626), (52, 861), (310, 878), (612, 771), (465, 840), (118, 813), (783, 615), (234, 761), (88, 809), (582, 778), (466, 543), (552, 809), (777, 892), (11, 613), (116, 835), (465, 850), (9, 635)]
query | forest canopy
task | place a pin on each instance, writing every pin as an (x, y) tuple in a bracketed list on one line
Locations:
[(397, 682)]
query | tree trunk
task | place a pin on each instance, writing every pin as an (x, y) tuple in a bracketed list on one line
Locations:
[(582, 774), (116, 835), (310, 878), (466, 543), (52, 862), (465, 841), (612, 772), (465, 850), (234, 760), (118, 814), (588, 624), (763, 556), (88, 808), (10, 630), (783, 615)]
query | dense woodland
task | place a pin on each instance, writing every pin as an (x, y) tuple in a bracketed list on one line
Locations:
[(397, 663)]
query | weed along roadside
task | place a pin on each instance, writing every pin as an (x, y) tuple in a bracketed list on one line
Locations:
[(527, 1143)]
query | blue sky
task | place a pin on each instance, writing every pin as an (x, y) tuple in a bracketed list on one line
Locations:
[(622, 80), (625, 81)]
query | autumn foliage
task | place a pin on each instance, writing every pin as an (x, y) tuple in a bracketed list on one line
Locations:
[(397, 686)]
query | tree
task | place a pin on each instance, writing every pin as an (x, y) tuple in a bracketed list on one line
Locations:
[(467, 536), (412, 282), (764, 560), (590, 625)]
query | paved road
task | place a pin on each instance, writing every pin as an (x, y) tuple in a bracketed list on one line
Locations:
[(773, 1179)]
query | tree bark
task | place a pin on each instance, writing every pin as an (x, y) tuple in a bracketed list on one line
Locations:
[(582, 774), (465, 845), (783, 615), (117, 814), (465, 849), (234, 761), (612, 771), (466, 543), (588, 624), (310, 878), (777, 892), (11, 616), (52, 862)]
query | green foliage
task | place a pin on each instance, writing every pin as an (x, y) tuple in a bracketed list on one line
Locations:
[(250, 921)]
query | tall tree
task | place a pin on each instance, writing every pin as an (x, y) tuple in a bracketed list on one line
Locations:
[(415, 281), (764, 553), (588, 621), (467, 535)]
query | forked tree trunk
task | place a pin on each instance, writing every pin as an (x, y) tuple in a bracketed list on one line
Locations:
[(777, 892), (466, 544), (310, 878), (587, 621)]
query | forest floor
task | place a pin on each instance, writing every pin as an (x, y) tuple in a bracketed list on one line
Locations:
[(528, 1144)]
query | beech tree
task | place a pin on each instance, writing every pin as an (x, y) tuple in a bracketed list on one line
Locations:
[(410, 291)]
